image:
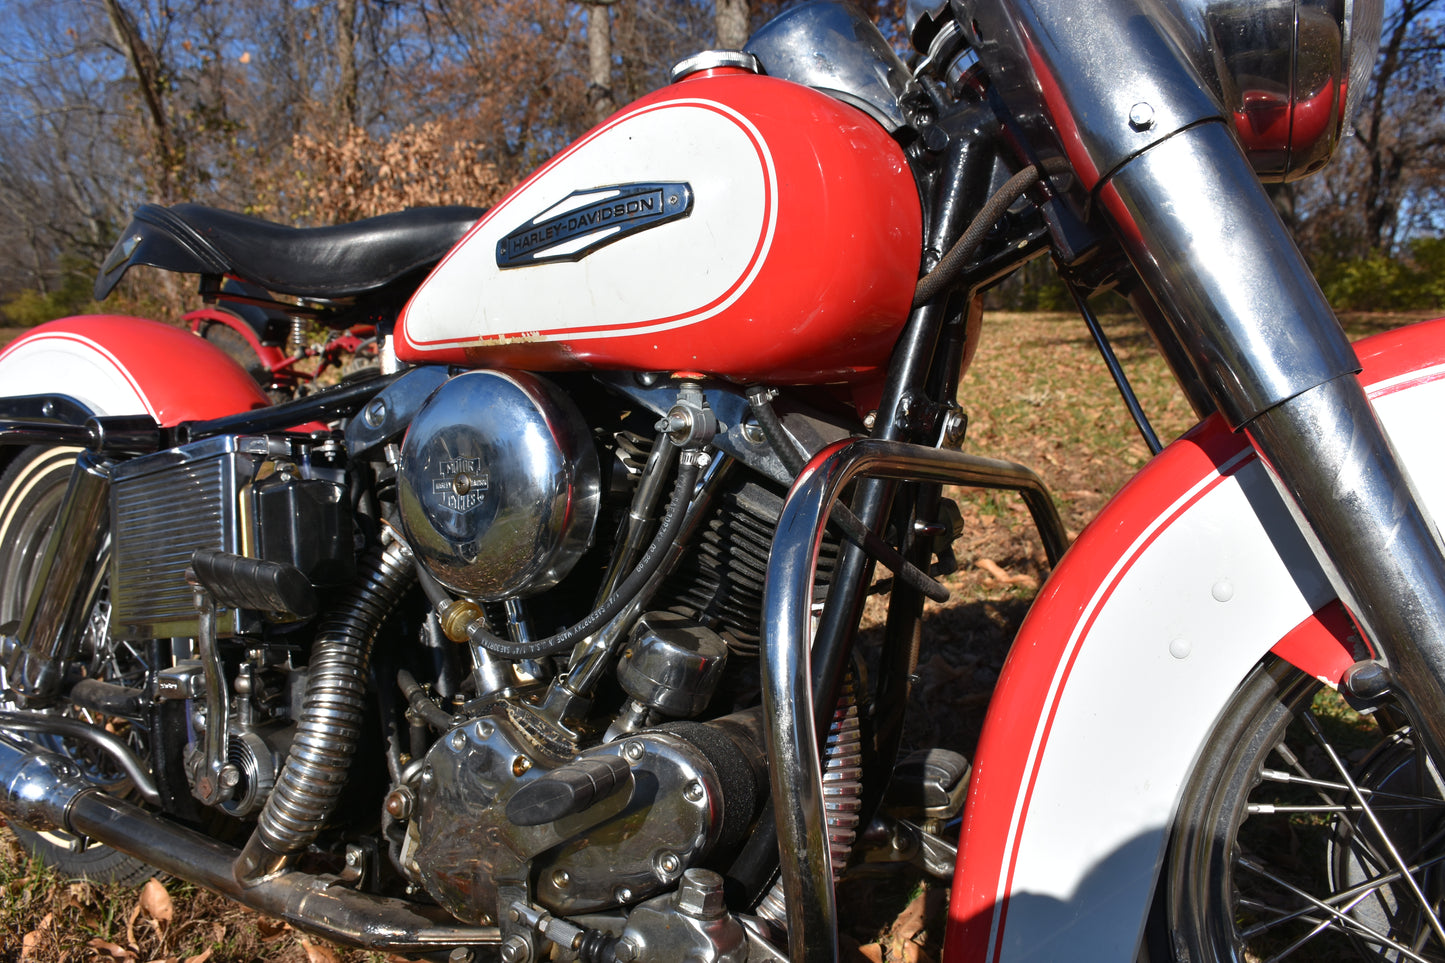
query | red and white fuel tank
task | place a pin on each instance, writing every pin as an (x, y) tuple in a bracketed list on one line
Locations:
[(734, 225)]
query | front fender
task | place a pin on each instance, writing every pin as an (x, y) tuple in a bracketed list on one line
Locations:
[(1188, 577), (116, 365)]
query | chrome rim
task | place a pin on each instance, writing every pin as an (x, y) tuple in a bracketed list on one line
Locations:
[(1319, 834)]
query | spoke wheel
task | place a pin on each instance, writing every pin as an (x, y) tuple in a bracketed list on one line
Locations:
[(1309, 832), (31, 490)]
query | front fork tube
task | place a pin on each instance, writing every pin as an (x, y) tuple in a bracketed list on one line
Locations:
[(58, 604), (1235, 291), (1362, 515)]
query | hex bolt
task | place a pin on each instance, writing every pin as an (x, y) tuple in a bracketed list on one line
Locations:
[(516, 950), (353, 856), (667, 864), (700, 894), (1141, 116), (693, 791), (459, 740), (632, 750), (625, 951), (399, 803), (561, 879)]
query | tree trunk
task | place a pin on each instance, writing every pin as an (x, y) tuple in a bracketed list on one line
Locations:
[(732, 24), (346, 55), (151, 81), (599, 60), (1409, 36)]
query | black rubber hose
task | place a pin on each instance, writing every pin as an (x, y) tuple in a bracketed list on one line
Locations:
[(421, 703), (947, 270), (851, 525), (646, 566)]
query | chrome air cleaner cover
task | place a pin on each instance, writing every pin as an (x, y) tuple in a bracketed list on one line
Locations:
[(499, 484)]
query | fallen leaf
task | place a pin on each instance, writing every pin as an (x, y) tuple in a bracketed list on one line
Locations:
[(130, 925), (111, 949), (317, 954), (271, 929), (199, 957), (78, 895), (897, 950), (156, 902), (872, 952), (909, 923), (30, 945)]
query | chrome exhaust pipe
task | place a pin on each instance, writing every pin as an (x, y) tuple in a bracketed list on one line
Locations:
[(43, 790)]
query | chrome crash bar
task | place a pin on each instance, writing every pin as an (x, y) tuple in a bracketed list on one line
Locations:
[(797, 785)]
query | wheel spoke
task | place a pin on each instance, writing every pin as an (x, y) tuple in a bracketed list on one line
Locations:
[(1271, 809), (1431, 917), (1422, 802), (1339, 918), (1293, 761), (1344, 900)]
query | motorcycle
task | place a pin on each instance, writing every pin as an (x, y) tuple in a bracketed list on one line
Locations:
[(542, 643), (272, 339)]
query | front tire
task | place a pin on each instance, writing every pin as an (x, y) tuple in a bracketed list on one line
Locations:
[(1293, 831), (31, 490)]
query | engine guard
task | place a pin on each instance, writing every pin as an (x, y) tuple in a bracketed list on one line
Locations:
[(1192, 574), (117, 365)]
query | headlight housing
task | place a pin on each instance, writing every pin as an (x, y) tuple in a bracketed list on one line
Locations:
[(1290, 73)]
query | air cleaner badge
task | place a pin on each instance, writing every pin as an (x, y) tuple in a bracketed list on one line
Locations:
[(584, 221), (462, 484)]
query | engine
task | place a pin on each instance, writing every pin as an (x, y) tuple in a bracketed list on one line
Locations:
[(611, 776), (498, 817)]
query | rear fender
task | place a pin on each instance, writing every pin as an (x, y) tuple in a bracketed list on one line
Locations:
[(116, 365), (271, 356), (1192, 574)]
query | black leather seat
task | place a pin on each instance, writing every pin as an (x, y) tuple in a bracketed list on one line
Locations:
[(339, 261)]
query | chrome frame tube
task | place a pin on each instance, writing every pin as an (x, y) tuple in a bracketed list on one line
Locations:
[(109, 742), (792, 738)]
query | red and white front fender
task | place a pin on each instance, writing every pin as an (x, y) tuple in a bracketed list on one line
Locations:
[(115, 365), (1165, 602)]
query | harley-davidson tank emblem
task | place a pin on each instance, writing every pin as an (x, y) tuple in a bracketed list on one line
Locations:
[(584, 221), (462, 485)]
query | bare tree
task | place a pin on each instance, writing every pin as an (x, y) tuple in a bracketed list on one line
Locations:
[(346, 89), (599, 59), (1403, 122), (732, 23), (1380, 189)]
